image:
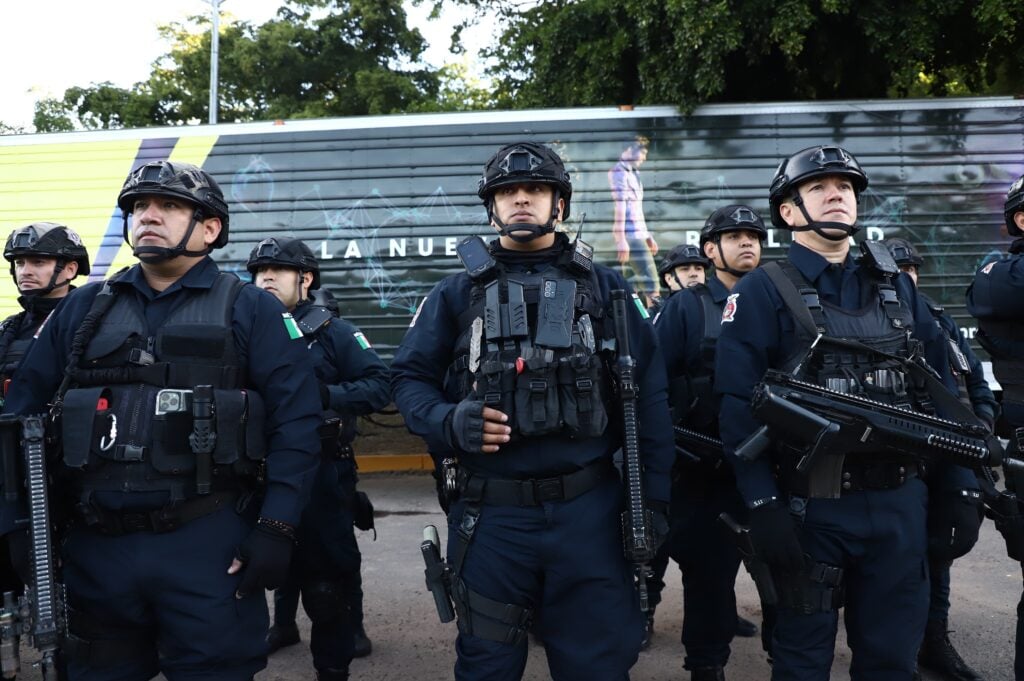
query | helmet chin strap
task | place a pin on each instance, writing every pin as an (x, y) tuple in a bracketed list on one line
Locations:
[(725, 264), (534, 230), (819, 227), (155, 254), (58, 267)]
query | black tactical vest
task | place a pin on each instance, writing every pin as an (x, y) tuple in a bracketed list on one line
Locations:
[(12, 349), (883, 324), (337, 430), (126, 424), (691, 394), (530, 346)]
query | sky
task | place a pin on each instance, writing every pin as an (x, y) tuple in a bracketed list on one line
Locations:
[(47, 46)]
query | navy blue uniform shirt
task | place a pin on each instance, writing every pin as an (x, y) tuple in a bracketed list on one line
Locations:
[(277, 367), (996, 292), (427, 350), (761, 333), (680, 327), (355, 376)]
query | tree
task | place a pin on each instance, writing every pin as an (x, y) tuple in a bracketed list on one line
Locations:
[(317, 58), (686, 52)]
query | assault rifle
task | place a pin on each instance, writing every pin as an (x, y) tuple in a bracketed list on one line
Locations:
[(638, 540), (698, 447), (831, 424), (39, 614)]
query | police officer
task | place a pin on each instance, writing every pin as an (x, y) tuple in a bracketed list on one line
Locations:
[(703, 486), (44, 258), (353, 381), (683, 267), (526, 404), (870, 542), (183, 387), (994, 298), (937, 653)]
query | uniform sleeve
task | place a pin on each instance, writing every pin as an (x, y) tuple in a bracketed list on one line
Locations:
[(280, 369), (750, 339), (419, 366), (673, 326), (364, 380), (996, 290), (983, 401)]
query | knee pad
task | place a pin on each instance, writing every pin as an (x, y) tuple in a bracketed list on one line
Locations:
[(324, 601)]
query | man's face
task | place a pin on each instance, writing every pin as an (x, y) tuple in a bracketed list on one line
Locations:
[(526, 202), (911, 270), (284, 282), (829, 198), (687, 275), (740, 250), (162, 221), (34, 272)]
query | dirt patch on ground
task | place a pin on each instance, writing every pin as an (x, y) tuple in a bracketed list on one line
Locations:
[(386, 434)]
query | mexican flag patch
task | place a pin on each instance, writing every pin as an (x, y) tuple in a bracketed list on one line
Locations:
[(291, 326), (361, 339)]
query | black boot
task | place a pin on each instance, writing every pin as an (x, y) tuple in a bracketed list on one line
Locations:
[(707, 674), (282, 636), (331, 675), (362, 646), (745, 628), (937, 654)]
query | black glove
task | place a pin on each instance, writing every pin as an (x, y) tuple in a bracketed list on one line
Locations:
[(1012, 529), (953, 524), (660, 528), (266, 554), (773, 533), (325, 396), (467, 426)]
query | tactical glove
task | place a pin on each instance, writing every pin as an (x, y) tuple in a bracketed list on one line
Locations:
[(1012, 529), (467, 426), (953, 524), (266, 554), (773, 533)]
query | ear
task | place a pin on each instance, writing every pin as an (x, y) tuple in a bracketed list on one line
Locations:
[(561, 209), (307, 280), (708, 252), (71, 269), (1018, 219), (211, 230), (786, 211)]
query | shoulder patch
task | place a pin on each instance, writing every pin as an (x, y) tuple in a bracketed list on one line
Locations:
[(988, 268), (290, 326), (729, 311), (361, 339)]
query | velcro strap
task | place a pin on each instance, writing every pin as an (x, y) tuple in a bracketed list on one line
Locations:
[(495, 621)]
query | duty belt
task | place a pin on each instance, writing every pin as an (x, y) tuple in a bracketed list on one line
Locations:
[(535, 491), (165, 519), (877, 475)]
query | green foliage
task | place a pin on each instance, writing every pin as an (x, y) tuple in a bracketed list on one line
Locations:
[(686, 52), (316, 58)]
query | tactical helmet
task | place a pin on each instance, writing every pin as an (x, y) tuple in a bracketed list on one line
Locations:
[(284, 252), (903, 252), (683, 254), (1013, 205), (525, 162), (807, 164), (179, 180), (730, 219), (49, 240)]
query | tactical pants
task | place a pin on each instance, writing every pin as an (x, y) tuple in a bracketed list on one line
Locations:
[(327, 554), (879, 539), (938, 603), (1018, 657), (656, 580), (564, 560), (167, 601), (709, 562)]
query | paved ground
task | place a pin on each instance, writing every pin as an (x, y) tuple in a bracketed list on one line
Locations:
[(411, 644)]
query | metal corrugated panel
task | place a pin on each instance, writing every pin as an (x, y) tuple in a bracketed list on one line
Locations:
[(383, 200)]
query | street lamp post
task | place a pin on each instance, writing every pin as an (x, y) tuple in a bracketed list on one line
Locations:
[(214, 50)]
